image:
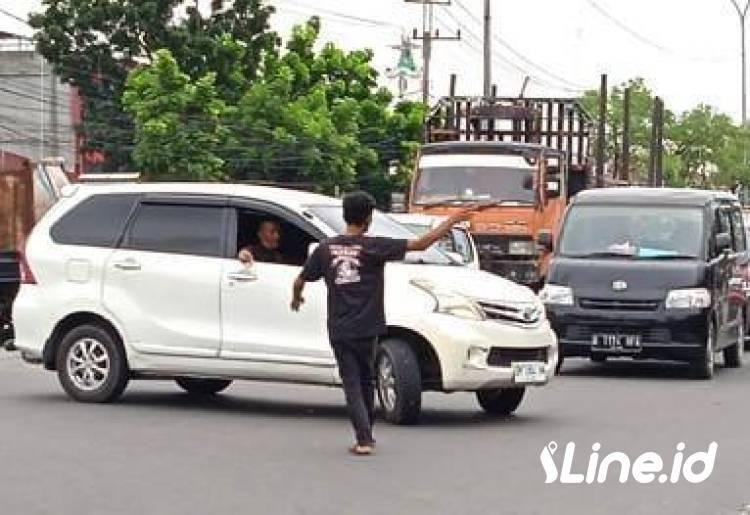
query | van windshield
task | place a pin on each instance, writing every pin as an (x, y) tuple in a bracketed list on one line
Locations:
[(638, 232), (383, 225)]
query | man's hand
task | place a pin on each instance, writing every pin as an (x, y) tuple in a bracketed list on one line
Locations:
[(297, 298), (246, 257), (463, 215), (297, 303)]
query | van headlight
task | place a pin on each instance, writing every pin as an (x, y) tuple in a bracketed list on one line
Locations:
[(689, 298), (556, 295), (450, 302)]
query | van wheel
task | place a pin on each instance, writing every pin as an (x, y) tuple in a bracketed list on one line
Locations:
[(733, 356), (503, 401), (703, 367), (399, 382), (560, 361), (196, 386), (91, 365)]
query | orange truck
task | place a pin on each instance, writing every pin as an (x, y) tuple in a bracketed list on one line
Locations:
[(524, 158)]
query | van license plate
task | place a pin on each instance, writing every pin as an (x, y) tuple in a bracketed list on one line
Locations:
[(616, 342), (533, 372)]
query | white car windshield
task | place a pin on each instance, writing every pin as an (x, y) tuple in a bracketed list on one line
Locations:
[(382, 225)]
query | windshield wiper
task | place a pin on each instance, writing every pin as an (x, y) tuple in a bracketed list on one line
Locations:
[(603, 254)]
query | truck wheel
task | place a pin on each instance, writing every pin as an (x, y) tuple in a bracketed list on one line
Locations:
[(503, 401), (733, 356), (198, 387), (399, 382), (91, 365), (703, 367)]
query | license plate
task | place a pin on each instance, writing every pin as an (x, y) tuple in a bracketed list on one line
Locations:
[(616, 342), (533, 372)]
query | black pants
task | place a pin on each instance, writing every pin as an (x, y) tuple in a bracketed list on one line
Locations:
[(356, 361)]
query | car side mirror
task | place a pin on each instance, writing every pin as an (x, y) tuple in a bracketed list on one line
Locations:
[(544, 239), (311, 248), (553, 189), (723, 242)]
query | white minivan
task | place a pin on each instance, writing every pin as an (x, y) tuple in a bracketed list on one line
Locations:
[(141, 280)]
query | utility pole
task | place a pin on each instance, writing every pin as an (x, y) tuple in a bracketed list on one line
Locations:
[(625, 172), (601, 137), (742, 13), (428, 37), (655, 172), (406, 68), (488, 48)]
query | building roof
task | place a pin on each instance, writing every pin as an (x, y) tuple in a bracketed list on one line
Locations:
[(640, 195)]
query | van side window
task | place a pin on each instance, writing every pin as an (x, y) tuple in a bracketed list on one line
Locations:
[(723, 225), (98, 221), (177, 229), (738, 231)]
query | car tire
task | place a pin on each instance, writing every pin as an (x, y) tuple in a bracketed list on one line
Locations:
[(399, 382), (203, 387), (733, 356), (703, 367), (92, 365), (500, 402)]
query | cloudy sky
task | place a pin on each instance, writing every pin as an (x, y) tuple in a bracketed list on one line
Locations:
[(687, 50)]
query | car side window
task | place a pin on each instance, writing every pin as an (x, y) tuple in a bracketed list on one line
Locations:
[(290, 241), (97, 221), (738, 231), (177, 229), (722, 224)]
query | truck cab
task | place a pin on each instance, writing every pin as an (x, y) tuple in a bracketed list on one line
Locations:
[(524, 158)]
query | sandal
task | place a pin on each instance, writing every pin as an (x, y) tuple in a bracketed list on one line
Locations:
[(362, 450)]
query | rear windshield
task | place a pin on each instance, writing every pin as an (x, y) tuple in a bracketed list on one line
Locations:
[(639, 232)]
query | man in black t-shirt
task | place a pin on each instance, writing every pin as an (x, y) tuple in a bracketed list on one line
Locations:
[(352, 265)]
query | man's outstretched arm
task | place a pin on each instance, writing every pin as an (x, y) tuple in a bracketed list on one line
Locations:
[(427, 240)]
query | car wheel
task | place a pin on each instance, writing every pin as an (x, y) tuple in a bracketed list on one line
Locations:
[(733, 356), (503, 401), (196, 386), (598, 358), (399, 382), (91, 364), (703, 367)]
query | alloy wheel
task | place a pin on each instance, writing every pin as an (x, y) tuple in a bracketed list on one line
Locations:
[(88, 364)]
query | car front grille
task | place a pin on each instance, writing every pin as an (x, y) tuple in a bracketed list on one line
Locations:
[(619, 304), (503, 357), (526, 315)]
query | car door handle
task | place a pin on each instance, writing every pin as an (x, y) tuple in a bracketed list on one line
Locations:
[(128, 265), (242, 277)]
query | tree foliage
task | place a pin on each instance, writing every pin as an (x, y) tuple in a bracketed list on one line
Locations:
[(701, 147), (94, 44)]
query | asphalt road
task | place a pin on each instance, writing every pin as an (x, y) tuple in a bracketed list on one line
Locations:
[(273, 449)]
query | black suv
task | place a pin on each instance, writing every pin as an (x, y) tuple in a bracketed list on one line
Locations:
[(650, 273)]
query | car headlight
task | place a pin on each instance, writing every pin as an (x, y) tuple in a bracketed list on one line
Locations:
[(449, 302), (522, 248), (696, 298), (556, 295)]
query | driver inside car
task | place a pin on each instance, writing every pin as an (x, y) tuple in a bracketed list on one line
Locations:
[(267, 248)]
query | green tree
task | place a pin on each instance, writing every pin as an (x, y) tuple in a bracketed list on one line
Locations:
[(179, 129), (95, 43)]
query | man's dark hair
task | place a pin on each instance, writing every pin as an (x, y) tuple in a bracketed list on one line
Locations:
[(358, 206)]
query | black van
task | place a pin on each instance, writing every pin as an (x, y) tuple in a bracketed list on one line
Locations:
[(650, 273)]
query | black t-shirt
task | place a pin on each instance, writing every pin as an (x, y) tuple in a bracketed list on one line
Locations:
[(353, 269), (263, 254)]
